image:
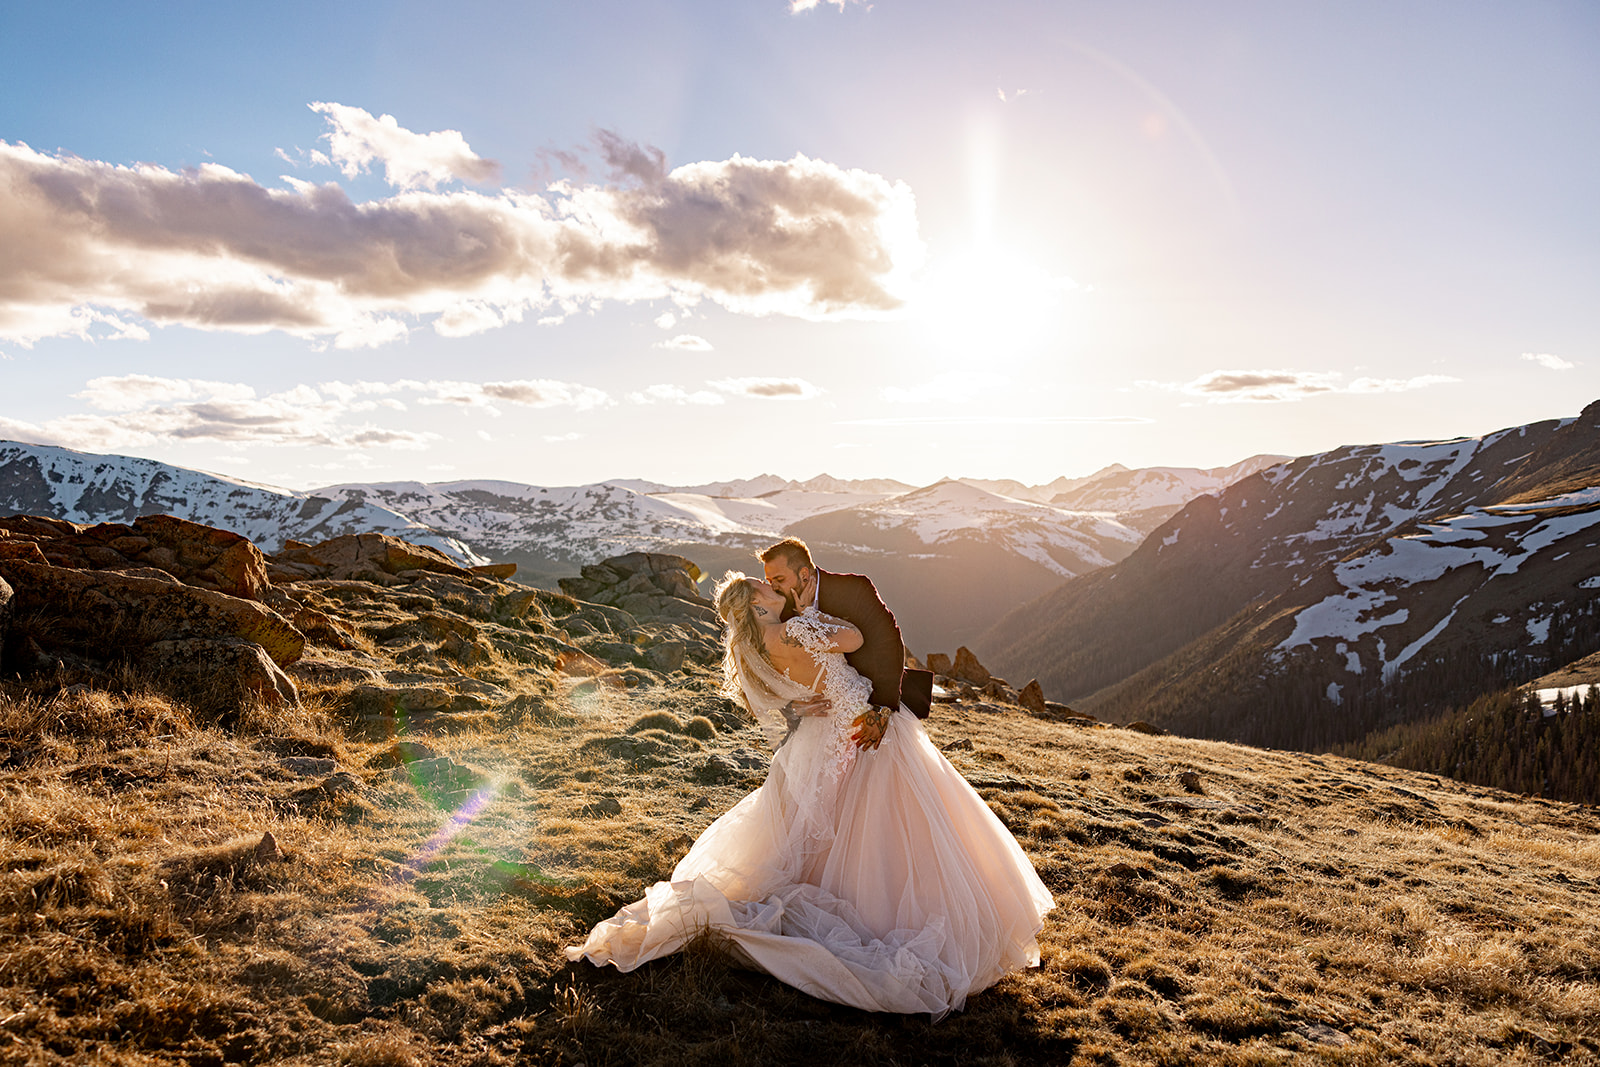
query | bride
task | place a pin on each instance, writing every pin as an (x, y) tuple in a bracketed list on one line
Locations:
[(875, 878)]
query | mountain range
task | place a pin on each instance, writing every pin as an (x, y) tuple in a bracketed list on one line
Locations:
[(1315, 601), (1302, 602), (951, 557)]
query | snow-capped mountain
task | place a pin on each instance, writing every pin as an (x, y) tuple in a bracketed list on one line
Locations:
[(1148, 497), (1315, 589), (1064, 542), (79, 487), (927, 547)]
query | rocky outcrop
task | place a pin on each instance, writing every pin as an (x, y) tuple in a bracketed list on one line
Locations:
[(100, 616), (195, 555), (393, 636), (368, 557), (647, 585)]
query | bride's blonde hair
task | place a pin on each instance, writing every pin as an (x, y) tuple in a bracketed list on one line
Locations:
[(743, 634)]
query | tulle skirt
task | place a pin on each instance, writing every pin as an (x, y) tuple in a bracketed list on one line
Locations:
[(919, 896)]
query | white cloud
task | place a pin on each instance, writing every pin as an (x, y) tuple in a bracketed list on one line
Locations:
[(532, 393), (672, 394), (768, 388), (410, 160), (99, 250), (666, 320), (130, 392), (148, 410), (685, 342), (1281, 386), (950, 388), (1548, 361), (554, 438), (1397, 385)]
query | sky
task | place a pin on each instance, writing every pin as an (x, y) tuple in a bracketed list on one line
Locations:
[(305, 244)]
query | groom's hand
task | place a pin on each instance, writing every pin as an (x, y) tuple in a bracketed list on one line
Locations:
[(870, 726), (812, 706)]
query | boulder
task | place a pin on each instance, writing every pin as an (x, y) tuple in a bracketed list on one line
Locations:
[(1032, 698), (968, 669), (665, 657), (217, 677), (194, 554), (200, 555), (647, 585), (939, 663), (499, 571), (103, 614), (368, 557), (997, 689)]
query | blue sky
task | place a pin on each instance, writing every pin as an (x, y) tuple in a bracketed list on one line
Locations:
[(691, 242)]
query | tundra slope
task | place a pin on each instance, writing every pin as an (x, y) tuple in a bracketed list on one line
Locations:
[(1316, 600)]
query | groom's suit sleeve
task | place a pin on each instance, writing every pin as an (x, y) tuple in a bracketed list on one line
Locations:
[(881, 657)]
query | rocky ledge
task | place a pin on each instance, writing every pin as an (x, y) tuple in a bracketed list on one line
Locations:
[(384, 628)]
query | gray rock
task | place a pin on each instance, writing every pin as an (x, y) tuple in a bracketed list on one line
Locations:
[(724, 767), (665, 657), (324, 673), (441, 774), (217, 676)]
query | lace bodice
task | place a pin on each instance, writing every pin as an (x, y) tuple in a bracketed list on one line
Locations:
[(838, 681)]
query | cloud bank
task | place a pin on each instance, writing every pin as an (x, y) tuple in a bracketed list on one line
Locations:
[(98, 249), (143, 410)]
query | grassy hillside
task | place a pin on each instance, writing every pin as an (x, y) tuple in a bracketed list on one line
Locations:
[(1216, 904)]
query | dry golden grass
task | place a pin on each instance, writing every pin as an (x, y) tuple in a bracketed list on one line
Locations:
[(1294, 909)]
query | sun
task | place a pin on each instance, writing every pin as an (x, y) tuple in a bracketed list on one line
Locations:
[(987, 301)]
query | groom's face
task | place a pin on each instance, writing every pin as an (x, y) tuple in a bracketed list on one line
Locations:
[(782, 577)]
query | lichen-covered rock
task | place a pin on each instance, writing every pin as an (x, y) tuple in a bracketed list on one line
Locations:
[(218, 677), (368, 557), (647, 585), (194, 554), (103, 615), (665, 657)]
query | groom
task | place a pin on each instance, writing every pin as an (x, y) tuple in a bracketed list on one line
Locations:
[(852, 597)]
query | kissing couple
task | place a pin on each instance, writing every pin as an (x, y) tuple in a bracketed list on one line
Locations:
[(864, 870)]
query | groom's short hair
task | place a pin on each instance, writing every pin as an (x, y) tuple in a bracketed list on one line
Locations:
[(794, 552)]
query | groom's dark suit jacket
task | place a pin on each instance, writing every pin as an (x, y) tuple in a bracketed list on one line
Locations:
[(881, 657)]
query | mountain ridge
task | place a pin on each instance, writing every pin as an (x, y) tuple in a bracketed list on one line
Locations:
[(1334, 594), (924, 545)]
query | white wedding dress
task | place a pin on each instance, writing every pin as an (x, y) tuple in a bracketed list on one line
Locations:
[(877, 878)]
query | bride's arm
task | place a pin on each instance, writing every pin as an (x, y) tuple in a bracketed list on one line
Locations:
[(822, 633)]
